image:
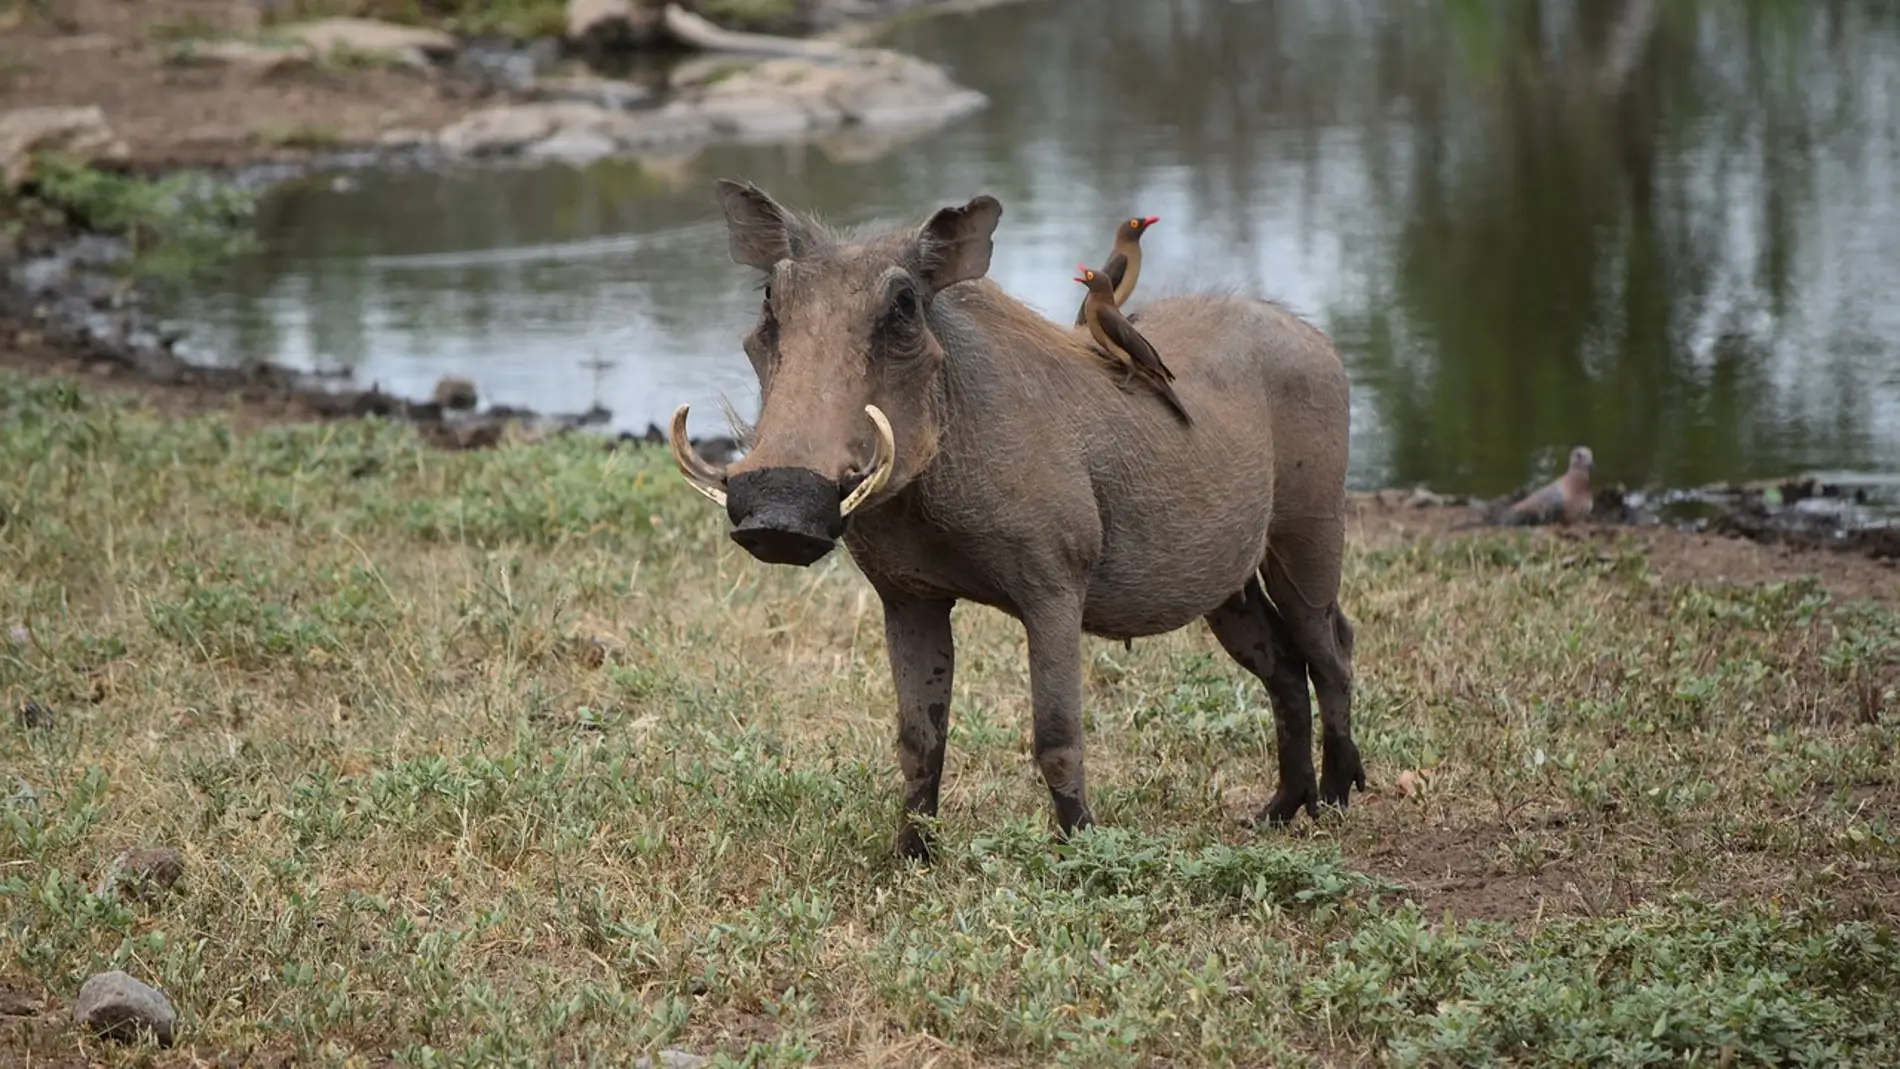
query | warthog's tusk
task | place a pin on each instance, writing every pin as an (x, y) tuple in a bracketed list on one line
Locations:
[(701, 475), (880, 472)]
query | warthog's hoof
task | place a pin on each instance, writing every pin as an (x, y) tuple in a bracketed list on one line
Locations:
[(1340, 772), (912, 843), (1286, 804)]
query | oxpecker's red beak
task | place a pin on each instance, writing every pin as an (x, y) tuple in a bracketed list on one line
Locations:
[(1150, 221)]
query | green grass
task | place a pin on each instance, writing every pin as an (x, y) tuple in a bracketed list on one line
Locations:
[(178, 225), (480, 757)]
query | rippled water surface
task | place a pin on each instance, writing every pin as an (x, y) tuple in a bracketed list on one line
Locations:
[(1666, 230)]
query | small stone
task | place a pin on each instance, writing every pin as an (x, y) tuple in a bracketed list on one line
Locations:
[(671, 1059), (453, 393), (33, 715), (143, 872), (573, 146), (115, 1006)]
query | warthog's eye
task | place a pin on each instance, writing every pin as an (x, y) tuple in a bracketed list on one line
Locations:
[(904, 304)]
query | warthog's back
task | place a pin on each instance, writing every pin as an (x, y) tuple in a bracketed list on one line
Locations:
[(1169, 519)]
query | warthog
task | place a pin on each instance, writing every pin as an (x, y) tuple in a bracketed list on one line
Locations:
[(965, 446)]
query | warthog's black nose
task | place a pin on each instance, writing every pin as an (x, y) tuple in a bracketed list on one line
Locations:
[(784, 515)]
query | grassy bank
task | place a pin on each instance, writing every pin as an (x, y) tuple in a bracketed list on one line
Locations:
[(174, 226), (478, 756)]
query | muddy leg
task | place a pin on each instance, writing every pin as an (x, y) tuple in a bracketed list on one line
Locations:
[(923, 661), (1055, 684), (1252, 634), (1324, 638)]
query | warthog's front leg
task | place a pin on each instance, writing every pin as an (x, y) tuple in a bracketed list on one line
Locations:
[(918, 639), (1055, 686)]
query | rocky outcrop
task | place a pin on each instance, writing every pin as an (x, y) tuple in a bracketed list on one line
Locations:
[(79, 133), (387, 41), (871, 88), (785, 97)]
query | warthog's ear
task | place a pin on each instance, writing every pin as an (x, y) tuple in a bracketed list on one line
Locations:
[(759, 230), (955, 244)]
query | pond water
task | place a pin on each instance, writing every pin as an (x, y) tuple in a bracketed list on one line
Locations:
[(1665, 230)]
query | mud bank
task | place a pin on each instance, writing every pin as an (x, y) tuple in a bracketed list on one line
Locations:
[(1851, 514), (198, 82)]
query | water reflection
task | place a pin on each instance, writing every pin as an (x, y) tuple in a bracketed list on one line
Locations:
[(1658, 228)]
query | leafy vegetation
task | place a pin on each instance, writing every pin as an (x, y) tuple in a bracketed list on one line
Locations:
[(477, 757), (177, 225)]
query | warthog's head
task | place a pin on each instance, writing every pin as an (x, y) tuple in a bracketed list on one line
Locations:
[(848, 368)]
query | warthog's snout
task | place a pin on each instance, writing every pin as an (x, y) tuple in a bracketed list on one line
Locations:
[(785, 515)]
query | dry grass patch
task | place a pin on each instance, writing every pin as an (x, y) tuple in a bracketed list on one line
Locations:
[(476, 758)]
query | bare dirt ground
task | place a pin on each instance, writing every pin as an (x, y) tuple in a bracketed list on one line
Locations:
[(1678, 556), (113, 53)]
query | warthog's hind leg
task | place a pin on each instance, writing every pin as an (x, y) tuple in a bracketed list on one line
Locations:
[(918, 638), (1324, 638), (1251, 632)]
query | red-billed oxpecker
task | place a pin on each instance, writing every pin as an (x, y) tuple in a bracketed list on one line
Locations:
[(1123, 266), (1121, 341)]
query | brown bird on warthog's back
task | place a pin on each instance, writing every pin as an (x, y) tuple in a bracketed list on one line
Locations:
[(1123, 266), (965, 447), (1122, 343)]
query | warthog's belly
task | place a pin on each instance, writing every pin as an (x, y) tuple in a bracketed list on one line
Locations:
[(1175, 567)]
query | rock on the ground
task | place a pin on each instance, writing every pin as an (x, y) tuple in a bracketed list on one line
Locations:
[(872, 88), (368, 37), (671, 1059), (115, 1006), (246, 56), (612, 24), (143, 872), (610, 93), (519, 128), (78, 132), (451, 392)]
